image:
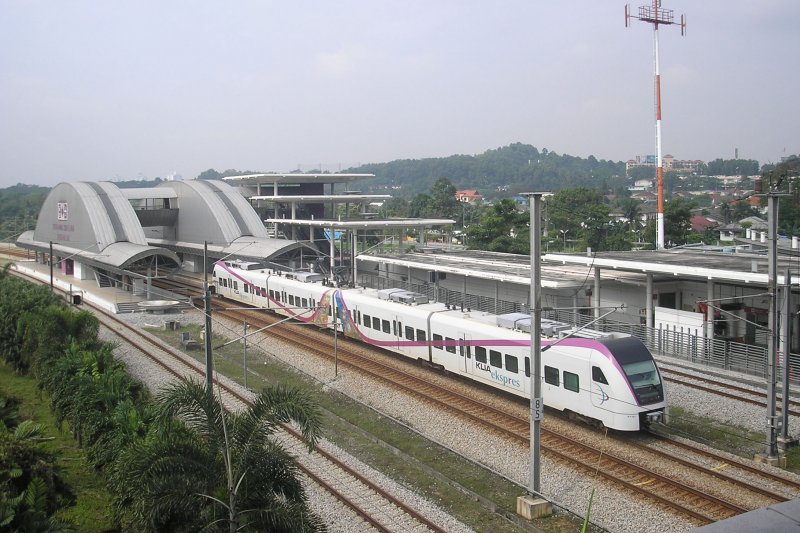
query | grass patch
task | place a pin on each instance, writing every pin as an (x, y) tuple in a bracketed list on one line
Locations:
[(733, 439), (373, 444), (92, 510)]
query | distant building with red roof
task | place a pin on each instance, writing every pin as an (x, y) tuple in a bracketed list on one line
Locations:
[(469, 196)]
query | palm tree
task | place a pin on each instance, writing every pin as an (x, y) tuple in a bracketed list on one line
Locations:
[(32, 488), (200, 468)]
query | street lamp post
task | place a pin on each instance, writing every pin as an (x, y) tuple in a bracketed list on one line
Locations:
[(563, 233)]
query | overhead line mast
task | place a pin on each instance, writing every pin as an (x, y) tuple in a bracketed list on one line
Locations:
[(656, 16)]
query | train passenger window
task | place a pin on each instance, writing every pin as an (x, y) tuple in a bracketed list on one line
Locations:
[(394, 327), (305, 302), (409, 333), (527, 367), (235, 285), (399, 329), (495, 359), (376, 323), (264, 292), (421, 335), (386, 328), (224, 282), (598, 376), (551, 376), (437, 341), (451, 345), (359, 317), (571, 381), (367, 321), (511, 364), (272, 294), (246, 288), (480, 354), (291, 299)]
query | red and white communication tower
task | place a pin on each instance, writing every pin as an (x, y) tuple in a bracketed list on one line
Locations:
[(657, 16)]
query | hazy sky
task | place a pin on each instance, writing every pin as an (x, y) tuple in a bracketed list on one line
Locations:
[(93, 90)]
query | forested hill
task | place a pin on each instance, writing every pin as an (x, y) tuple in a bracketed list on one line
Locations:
[(512, 169)]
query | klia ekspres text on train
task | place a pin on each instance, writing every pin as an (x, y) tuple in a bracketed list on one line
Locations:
[(608, 378)]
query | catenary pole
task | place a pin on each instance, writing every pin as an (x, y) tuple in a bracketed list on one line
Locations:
[(537, 406)]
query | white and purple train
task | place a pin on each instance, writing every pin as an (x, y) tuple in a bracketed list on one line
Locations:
[(608, 378)]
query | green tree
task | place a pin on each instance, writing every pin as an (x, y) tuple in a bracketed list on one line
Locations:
[(581, 214), (200, 467), (32, 488), (501, 229), (677, 222)]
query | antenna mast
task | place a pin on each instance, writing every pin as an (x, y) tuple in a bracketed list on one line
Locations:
[(656, 16)]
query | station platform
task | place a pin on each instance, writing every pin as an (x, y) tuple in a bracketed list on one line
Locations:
[(113, 299), (779, 518)]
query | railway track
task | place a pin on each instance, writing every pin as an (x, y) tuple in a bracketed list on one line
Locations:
[(725, 389), (374, 506), (661, 488)]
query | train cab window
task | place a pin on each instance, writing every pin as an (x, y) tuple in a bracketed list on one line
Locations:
[(527, 367), (480, 354), (437, 341), (367, 321), (385, 326), (409, 333), (551, 376), (495, 359), (598, 376), (511, 364), (421, 335), (571, 381), (451, 345)]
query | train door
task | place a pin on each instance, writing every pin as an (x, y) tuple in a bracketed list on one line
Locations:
[(465, 352), (397, 332)]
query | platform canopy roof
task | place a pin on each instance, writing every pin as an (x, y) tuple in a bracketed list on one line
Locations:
[(319, 198), (290, 178), (739, 268), (364, 224), (511, 268)]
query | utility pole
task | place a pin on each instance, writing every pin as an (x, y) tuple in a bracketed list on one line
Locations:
[(535, 506), (772, 353), (656, 16), (786, 335), (207, 312), (51, 266)]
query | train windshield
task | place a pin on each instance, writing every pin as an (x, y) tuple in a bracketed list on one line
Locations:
[(640, 369), (645, 381)]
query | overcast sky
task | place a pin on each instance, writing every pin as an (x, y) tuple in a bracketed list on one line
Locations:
[(121, 89)]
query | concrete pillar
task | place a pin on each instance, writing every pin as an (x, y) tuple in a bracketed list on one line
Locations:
[(333, 254), (648, 304), (596, 292), (795, 243), (275, 194), (354, 254), (763, 236), (294, 216), (710, 310)]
